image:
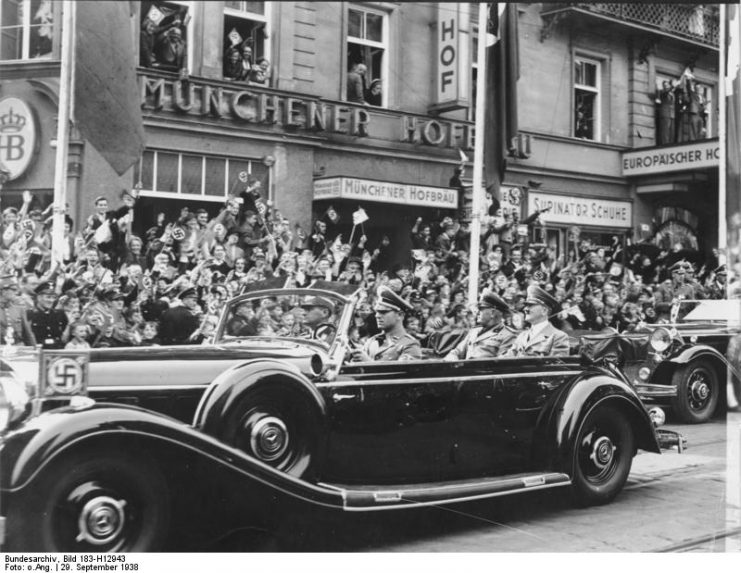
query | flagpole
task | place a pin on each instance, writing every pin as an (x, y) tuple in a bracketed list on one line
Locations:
[(723, 159), (478, 160), (63, 120)]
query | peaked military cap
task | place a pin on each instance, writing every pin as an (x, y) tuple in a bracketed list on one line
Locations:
[(389, 300), (44, 287), (310, 301), (490, 299), (536, 295)]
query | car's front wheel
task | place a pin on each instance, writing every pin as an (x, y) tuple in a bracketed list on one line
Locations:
[(698, 391), (602, 456), (96, 501)]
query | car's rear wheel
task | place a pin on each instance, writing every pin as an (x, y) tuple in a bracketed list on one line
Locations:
[(273, 425), (95, 501), (602, 456), (698, 391)]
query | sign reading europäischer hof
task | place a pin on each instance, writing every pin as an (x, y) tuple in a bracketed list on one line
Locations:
[(683, 157), (581, 210), (385, 192)]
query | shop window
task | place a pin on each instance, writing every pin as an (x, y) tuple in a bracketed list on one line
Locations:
[(201, 177), (246, 45), (26, 29), (367, 49), (586, 99), (165, 36)]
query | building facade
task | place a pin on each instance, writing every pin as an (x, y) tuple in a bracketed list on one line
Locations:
[(589, 82)]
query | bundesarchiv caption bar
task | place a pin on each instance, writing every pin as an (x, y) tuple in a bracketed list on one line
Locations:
[(30, 558)]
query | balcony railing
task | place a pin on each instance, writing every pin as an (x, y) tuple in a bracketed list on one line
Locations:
[(697, 23)]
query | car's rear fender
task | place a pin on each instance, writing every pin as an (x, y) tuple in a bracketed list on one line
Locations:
[(224, 392), (559, 424), (29, 450)]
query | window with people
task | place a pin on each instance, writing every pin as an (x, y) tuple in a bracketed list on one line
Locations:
[(587, 98), (163, 37), (246, 45), (367, 56), (27, 29)]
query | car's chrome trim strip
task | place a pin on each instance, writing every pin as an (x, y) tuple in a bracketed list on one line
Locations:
[(147, 387), (405, 503), (446, 379)]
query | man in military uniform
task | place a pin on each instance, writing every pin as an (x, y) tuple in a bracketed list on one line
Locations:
[(180, 322), (670, 292), (14, 326), (50, 326), (717, 288), (493, 338), (393, 342), (318, 311), (542, 338)]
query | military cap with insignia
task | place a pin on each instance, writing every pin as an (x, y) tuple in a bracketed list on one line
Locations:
[(187, 292), (721, 270), (311, 301), (490, 299), (389, 300), (44, 287), (536, 295)]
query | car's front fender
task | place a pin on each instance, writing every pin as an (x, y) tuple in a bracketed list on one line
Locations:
[(559, 424), (39, 441)]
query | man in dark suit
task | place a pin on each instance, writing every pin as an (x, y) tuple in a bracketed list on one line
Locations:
[(667, 104), (542, 338)]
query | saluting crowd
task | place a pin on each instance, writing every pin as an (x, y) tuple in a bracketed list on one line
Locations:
[(169, 284)]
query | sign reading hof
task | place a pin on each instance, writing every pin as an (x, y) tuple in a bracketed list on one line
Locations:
[(693, 155), (385, 192), (581, 210), (452, 56), (63, 373), (17, 136)]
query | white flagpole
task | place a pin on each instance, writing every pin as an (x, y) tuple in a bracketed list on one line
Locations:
[(478, 161), (723, 160), (63, 119)]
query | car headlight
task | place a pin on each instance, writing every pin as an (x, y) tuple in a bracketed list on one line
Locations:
[(660, 339), (14, 400), (644, 373), (657, 416)]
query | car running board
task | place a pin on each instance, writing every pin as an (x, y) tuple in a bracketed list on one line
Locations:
[(366, 498)]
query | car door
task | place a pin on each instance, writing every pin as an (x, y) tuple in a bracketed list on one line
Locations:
[(390, 422), (498, 405)]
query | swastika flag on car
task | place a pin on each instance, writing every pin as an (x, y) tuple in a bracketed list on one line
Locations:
[(359, 216)]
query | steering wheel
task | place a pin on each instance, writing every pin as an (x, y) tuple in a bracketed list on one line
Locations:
[(323, 331)]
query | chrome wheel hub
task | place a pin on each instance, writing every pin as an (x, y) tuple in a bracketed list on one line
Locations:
[(603, 451), (101, 520), (700, 390), (269, 438)]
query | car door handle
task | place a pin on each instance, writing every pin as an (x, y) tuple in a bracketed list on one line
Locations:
[(340, 397)]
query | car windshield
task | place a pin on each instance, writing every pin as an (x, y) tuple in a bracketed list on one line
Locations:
[(299, 313), (725, 311)]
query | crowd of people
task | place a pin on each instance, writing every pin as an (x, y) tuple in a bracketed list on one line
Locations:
[(169, 284)]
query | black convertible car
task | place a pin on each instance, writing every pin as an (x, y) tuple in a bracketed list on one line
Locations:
[(681, 364), (285, 426)]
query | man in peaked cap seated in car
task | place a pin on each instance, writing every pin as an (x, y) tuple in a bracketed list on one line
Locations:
[(542, 338), (493, 337), (317, 320), (393, 343)]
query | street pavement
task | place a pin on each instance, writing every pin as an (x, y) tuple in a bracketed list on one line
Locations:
[(672, 503)]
